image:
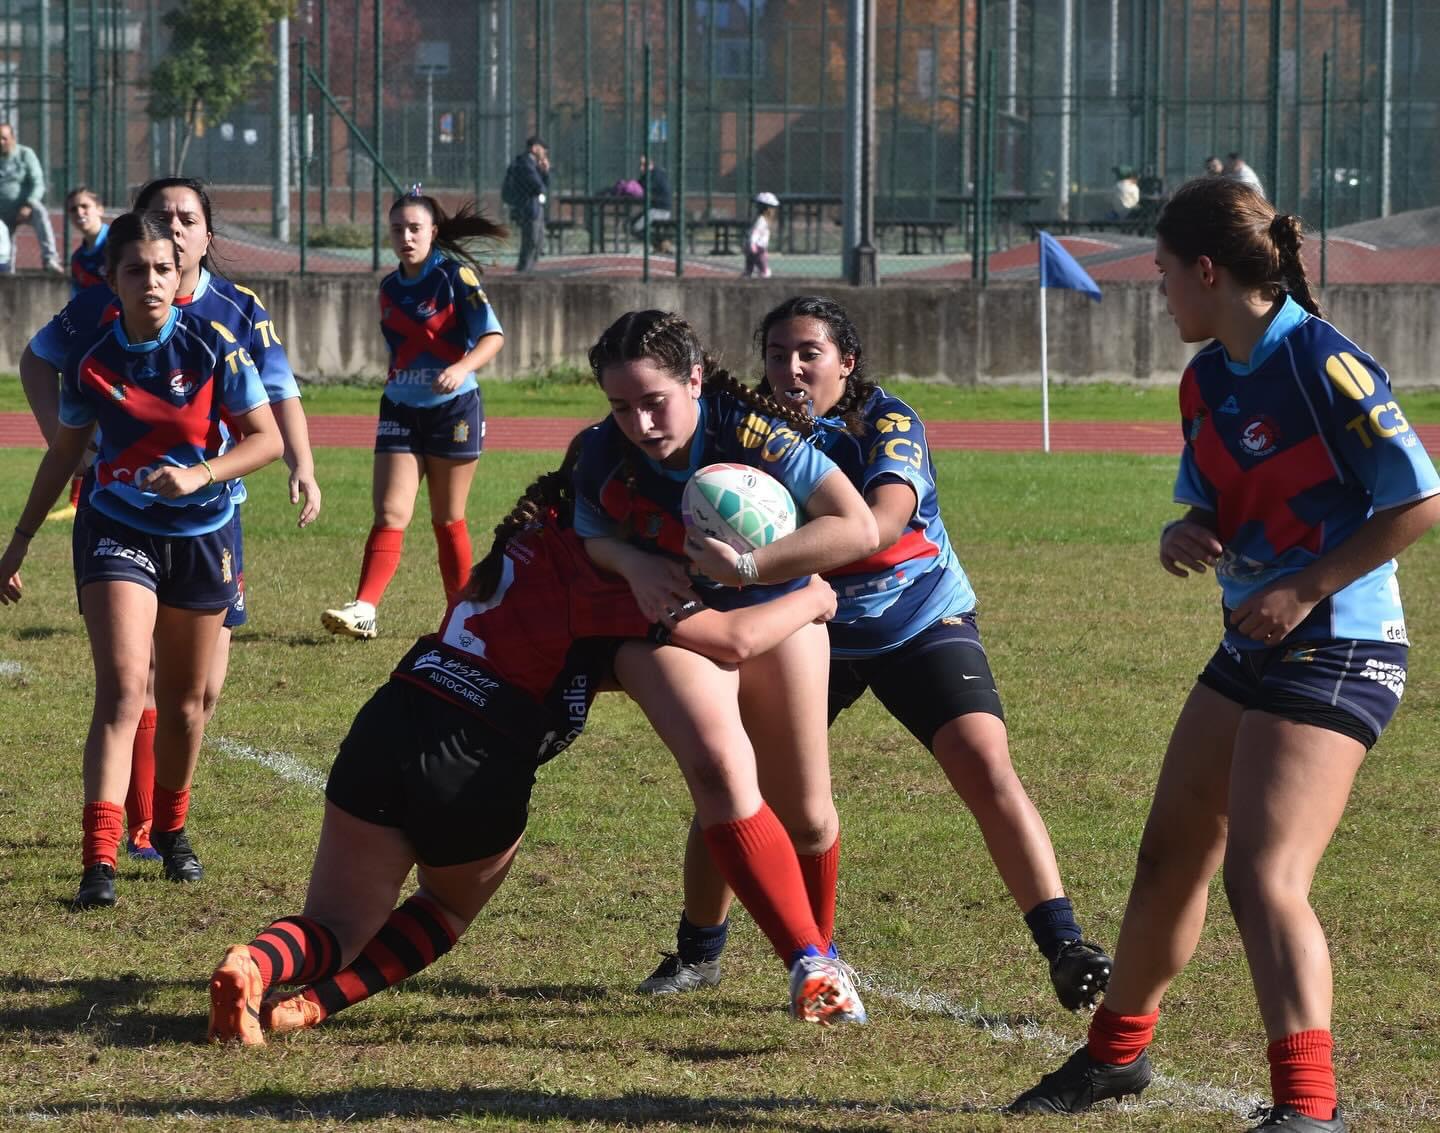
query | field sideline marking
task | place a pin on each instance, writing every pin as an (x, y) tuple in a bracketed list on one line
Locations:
[(1198, 1096), (11, 669)]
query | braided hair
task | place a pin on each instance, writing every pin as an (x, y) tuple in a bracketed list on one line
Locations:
[(552, 495), (1240, 231), (670, 342), (453, 232), (842, 332)]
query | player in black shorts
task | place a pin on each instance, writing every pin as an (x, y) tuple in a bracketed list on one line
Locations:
[(437, 769)]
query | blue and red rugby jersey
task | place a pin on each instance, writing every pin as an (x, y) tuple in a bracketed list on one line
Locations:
[(530, 659), (429, 323), (158, 403), (229, 309), (649, 515), (885, 600), (87, 265), (1292, 452)]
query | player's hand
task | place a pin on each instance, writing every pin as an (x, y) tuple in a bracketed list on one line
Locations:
[(1187, 546), (170, 482), (449, 380), (714, 559), (10, 573), (24, 212), (823, 595), (1269, 615), (660, 585), (303, 484)]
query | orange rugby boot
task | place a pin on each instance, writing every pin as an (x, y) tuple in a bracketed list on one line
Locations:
[(282, 1014), (235, 993)]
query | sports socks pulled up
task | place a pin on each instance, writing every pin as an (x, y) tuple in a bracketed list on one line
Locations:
[(757, 860), (452, 550), (1052, 925), (415, 936), (821, 873), (295, 950), (1302, 1073), (380, 562), (139, 800), (101, 824), (171, 807), (1120, 1039)]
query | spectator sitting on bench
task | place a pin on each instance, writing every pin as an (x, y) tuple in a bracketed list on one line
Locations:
[(658, 181)]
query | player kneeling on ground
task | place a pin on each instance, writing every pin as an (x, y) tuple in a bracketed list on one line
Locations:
[(439, 764)]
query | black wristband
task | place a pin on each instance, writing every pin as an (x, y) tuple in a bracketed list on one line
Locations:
[(21, 531)]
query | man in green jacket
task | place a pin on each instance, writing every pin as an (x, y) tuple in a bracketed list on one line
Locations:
[(22, 196)]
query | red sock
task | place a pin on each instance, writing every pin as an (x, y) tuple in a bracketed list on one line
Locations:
[(452, 548), (416, 935), (756, 858), (820, 872), (139, 800), (75, 490), (382, 559), (1118, 1039), (101, 824), (1302, 1073), (295, 950), (171, 807)]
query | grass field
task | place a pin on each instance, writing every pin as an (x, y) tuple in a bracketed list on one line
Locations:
[(530, 1021)]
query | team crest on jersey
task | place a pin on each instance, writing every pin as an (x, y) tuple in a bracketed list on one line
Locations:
[(1260, 437), (461, 433), (117, 391), (181, 383), (893, 423), (226, 571), (425, 309)]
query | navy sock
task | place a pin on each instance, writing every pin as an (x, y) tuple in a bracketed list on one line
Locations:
[(699, 943), (1052, 924)]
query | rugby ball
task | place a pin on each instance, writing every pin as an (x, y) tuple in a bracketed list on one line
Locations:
[(738, 505)]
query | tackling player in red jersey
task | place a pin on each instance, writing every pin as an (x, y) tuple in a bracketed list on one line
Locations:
[(438, 767)]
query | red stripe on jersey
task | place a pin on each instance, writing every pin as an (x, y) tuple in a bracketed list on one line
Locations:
[(168, 425), (421, 337), (646, 519), (1262, 493), (912, 545)]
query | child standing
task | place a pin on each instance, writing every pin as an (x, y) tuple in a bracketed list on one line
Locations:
[(757, 240)]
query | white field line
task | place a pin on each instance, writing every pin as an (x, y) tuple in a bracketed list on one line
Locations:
[(1176, 1092), (11, 669), (281, 763)]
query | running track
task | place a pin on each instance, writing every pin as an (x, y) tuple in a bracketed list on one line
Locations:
[(1154, 438)]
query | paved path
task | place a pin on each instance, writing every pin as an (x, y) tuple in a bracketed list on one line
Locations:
[(1155, 438)]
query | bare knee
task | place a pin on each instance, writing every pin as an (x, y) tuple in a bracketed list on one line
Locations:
[(1253, 888), (813, 832), (981, 776)]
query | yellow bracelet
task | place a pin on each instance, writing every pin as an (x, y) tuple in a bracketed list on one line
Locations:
[(209, 472)]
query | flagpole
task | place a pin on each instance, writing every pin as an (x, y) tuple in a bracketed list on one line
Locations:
[(1044, 374)]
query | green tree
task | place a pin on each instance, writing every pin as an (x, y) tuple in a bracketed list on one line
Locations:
[(218, 48)]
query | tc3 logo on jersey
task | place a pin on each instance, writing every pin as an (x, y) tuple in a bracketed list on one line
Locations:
[(1260, 437)]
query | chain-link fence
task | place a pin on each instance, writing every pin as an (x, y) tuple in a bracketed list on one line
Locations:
[(1041, 104)]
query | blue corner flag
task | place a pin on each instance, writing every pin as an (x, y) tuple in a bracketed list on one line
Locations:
[(1058, 268)]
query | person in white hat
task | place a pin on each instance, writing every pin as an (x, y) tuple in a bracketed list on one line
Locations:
[(757, 240)]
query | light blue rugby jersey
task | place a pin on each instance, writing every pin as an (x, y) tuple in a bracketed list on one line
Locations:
[(888, 598)]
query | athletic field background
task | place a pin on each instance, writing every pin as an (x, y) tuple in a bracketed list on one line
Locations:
[(531, 1021)]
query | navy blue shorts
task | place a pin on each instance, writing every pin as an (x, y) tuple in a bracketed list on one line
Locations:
[(457, 789), (1350, 687), (188, 572), (454, 429), (940, 673), (236, 615)]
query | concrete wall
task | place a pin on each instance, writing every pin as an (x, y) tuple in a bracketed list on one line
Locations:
[(949, 332)]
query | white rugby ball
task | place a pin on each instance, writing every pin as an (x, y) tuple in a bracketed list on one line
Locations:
[(738, 505)]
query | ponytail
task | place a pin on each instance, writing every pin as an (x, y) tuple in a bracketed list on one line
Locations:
[(1287, 236), (453, 232)]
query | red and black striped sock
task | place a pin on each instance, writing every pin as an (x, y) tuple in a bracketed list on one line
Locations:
[(416, 935), (295, 950)]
